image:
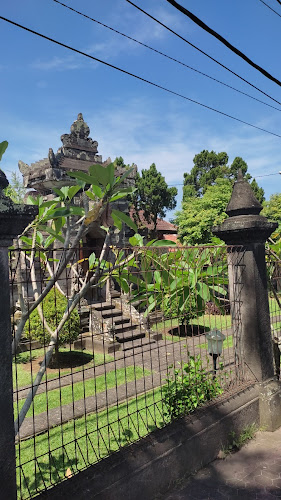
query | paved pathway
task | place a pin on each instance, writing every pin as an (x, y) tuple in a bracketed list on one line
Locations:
[(254, 472)]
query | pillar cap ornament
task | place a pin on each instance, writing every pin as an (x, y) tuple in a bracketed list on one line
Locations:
[(244, 224)]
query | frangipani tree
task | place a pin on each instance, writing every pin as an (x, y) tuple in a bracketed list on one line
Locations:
[(57, 222)]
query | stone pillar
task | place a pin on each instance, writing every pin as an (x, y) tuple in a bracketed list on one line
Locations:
[(247, 230), (13, 219)]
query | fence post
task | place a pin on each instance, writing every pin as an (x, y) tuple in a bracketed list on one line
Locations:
[(13, 219), (247, 230)]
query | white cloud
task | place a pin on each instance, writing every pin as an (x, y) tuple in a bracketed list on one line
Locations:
[(56, 63)]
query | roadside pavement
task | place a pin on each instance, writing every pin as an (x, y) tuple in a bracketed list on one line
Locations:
[(253, 472)]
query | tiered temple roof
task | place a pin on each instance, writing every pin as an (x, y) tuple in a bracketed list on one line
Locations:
[(78, 152)]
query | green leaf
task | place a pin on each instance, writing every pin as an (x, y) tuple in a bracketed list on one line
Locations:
[(117, 221), (90, 195), (52, 232), (59, 193), (126, 219), (49, 241), (117, 196), (123, 283), (60, 212), (157, 277), (47, 204), (136, 240), (73, 190), (27, 240), (163, 243), (92, 260), (82, 176), (3, 147), (31, 201), (39, 238), (74, 210), (102, 175)]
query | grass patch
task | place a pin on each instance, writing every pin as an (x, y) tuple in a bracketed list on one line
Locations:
[(207, 321), (210, 322), (22, 376), (80, 390), (96, 436), (236, 442)]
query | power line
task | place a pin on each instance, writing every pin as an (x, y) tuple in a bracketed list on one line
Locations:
[(136, 76), (164, 55), (201, 51), (223, 40), (278, 2), (275, 11), (254, 177)]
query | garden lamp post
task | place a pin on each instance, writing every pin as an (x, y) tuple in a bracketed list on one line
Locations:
[(215, 340)]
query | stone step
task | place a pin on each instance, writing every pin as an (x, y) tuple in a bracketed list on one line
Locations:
[(125, 328), (122, 321), (129, 336), (115, 295), (102, 306), (137, 344), (113, 313)]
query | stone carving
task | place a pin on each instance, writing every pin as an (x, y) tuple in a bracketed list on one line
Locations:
[(79, 138), (52, 158), (24, 168)]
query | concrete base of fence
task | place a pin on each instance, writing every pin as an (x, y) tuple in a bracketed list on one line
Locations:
[(147, 468), (270, 405)]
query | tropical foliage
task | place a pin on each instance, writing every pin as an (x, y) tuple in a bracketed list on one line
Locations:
[(188, 387)]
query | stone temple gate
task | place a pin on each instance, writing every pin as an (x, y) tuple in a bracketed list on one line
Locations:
[(77, 153)]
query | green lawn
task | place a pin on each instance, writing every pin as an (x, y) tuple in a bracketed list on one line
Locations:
[(96, 436), (22, 377), (81, 390)]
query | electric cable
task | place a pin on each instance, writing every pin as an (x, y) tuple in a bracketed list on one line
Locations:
[(165, 55), (200, 50), (223, 40), (275, 11), (61, 44), (253, 177)]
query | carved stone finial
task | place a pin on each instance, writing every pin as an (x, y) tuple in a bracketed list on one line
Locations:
[(243, 200), (79, 128), (244, 224), (240, 176)]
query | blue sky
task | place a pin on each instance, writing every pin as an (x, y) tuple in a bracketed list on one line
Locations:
[(44, 87)]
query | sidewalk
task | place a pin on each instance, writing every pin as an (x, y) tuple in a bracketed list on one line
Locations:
[(254, 472)]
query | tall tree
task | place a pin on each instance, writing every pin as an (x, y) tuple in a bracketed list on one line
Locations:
[(209, 166), (200, 214), (153, 196), (272, 208)]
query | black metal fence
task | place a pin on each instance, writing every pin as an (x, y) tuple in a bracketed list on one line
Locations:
[(132, 355)]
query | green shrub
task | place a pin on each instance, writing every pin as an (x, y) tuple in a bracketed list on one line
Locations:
[(53, 306), (188, 387), (172, 309)]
